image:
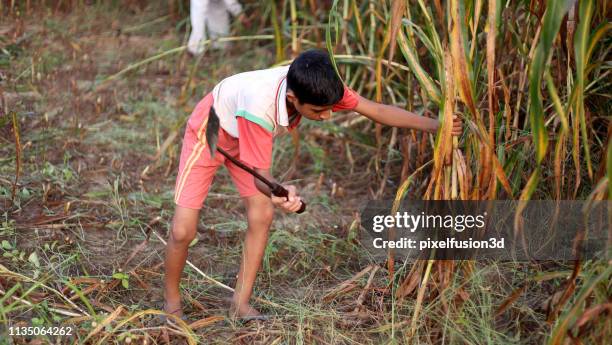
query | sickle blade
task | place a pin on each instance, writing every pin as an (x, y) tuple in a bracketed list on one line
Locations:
[(212, 131)]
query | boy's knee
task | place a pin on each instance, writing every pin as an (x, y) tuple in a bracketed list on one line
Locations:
[(260, 212), (182, 234)]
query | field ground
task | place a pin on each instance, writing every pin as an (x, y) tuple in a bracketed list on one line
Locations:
[(97, 175)]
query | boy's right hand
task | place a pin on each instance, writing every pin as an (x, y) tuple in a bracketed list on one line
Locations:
[(457, 126), (292, 204)]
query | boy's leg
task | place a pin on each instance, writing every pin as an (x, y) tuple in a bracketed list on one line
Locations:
[(260, 213), (196, 172), (183, 232), (193, 183)]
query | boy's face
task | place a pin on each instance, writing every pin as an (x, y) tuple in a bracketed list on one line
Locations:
[(309, 111)]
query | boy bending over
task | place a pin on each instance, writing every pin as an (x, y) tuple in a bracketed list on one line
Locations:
[(253, 107)]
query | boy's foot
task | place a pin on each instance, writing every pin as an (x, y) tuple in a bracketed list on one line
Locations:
[(174, 309), (245, 312)]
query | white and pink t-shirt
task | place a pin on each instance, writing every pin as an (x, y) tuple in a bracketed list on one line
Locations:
[(251, 107)]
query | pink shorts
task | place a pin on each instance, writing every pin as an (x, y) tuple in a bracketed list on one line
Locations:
[(197, 168)]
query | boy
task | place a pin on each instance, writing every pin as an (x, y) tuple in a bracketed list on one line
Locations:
[(252, 108)]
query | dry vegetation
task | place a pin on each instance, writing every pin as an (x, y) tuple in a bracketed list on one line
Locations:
[(94, 98)]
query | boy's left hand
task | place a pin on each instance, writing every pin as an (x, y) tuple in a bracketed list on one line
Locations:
[(457, 126)]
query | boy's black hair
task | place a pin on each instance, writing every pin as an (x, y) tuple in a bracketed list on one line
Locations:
[(313, 79)]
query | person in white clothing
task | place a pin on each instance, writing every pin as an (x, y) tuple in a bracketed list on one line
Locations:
[(210, 19)]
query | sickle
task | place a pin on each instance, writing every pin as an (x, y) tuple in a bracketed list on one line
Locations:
[(212, 136), (212, 131)]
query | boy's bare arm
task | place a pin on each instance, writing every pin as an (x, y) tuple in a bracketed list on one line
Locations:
[(262, 186), (397, 117)]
